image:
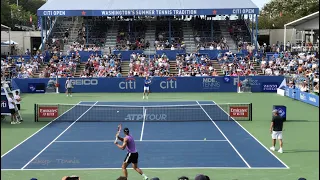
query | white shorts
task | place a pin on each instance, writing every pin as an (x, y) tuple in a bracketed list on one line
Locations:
[(276, 135), (146, 88)]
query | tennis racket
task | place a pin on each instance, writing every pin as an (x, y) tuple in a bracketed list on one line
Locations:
[(118, 132), (151, 79)]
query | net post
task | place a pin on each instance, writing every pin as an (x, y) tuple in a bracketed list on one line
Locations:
[(35, 113), (250, 107), (228, 110)]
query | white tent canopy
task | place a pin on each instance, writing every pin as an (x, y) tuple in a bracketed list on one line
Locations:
[(310, 22), (9, 42)]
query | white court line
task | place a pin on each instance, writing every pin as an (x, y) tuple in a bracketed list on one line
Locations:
[(252, 136), (167, 168), (225, 136), (58, 136), (106, 141), (38, 131), (144, 120)]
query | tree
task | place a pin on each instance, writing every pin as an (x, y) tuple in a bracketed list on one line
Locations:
[(12, 15), (276, 13)]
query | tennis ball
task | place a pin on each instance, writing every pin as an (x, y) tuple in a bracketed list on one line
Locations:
[(117, 111)]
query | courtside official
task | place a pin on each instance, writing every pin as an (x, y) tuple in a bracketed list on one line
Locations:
[(12, 108), (276, 129), (17, 99)]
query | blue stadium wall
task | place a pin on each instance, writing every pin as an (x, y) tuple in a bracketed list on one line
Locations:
[(161, 84)]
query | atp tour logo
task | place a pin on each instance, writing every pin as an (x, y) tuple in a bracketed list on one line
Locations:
[(148, 117), (281, 112), (128, 83), (169, 83), (226, 79), (32, 88)]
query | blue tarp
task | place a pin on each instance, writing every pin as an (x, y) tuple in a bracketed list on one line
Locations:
[(146, 7)]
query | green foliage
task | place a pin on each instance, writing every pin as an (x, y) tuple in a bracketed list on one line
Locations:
[(13, 14), (276, 13)]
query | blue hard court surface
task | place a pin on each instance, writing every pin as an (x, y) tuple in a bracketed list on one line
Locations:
[(89, 145)]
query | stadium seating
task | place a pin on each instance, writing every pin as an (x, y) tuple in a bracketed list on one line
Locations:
[(162, 40), (202, 34), (140, 65), (102, 66), (133, 39), (20, 66)]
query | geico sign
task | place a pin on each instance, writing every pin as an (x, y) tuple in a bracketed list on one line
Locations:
[(84, 82)]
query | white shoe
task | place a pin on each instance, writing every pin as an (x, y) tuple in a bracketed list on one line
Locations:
[(13, 122), (280, 150), (143, 97), (18, 122), (67, 95), (272, 148)]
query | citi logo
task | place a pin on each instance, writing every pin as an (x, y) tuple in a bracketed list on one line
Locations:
[(169, 83), (128, 83)]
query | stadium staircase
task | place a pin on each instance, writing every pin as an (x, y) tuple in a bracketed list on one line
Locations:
[(111, 39), (225, 33), (188, 37), (71, 23), (150, 36)]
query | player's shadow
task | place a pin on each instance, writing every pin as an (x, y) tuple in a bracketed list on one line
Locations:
[(298, 121), (302, 151)]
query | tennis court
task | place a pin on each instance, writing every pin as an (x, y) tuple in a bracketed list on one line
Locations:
[(198, 134)]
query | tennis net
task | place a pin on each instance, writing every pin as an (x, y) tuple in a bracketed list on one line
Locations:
[(116, 113)]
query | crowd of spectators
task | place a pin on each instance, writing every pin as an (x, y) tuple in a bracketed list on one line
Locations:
[(20, 67), (141, 65), (165, 40), (233, 65), (195, 65), (302, 68), (102, 66), (132, 39), (61, 66)]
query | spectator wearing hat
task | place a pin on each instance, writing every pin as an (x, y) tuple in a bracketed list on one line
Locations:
[(276, 128), (183, 178), (155, 178)]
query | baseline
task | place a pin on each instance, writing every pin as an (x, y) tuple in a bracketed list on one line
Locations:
[(39, 130), (58, 136)]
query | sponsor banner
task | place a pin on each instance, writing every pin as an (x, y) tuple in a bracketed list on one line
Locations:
[(238, 111), (282, 110), (36, 88), (302, 96), (4, 105), (48, 112), (162, 84), (146, 12), (269, 87)]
